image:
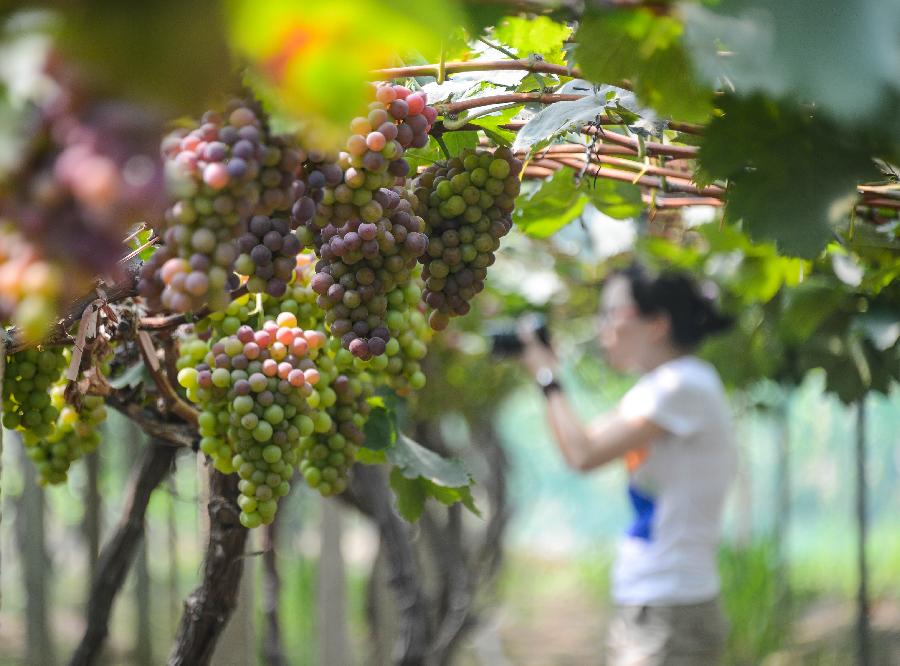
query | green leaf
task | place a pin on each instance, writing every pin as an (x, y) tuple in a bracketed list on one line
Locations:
[(491, 122), (808, 50), (806, 306), (367, 456), (130, 377), (457, 142), (411, 495), (539, 35), (561, 117), (647, 49), (415, 460), (380, 430), (882, 327), (420, 473), (614, 198), (550, 205), (792, 175)]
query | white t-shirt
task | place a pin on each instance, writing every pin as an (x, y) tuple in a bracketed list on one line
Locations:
[(677, 490)]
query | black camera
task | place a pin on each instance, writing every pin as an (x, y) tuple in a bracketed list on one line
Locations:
[(505, 338)]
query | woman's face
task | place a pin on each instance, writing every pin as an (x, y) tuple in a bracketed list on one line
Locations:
[(624, 335)]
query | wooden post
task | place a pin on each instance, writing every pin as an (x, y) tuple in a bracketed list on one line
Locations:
[(783, 505), (862, 594), (30, 533), (332, 590)]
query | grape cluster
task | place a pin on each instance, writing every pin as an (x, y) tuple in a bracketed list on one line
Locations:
[(268, 255), (467, 204), (328, 455), (30, 374), (255, 386), (64, 431), (221, 173), (365, 232), (342, 392)]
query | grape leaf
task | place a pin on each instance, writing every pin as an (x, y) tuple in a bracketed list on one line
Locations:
[(792, 174), (420, 473), (808, 50), (381, 429), (411, 495), (131, 377), (457, 142), (561, 117), (646, 49), (882, 327), (549, 205), (414, 460), (539, 35), (614, 198), (805, 307), (490, 124)]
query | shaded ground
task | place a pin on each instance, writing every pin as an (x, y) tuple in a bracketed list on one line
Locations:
[(556, 619)]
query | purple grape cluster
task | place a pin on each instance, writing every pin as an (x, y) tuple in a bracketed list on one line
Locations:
[(364, 231), (221, 173), (361, 262), (467, 204)]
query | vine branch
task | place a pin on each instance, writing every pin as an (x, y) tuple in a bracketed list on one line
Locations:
[(210, 606), (522, 64), (119, 552)]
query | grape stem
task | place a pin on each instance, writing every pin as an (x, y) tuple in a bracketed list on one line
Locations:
[(151, 361), (440, 142)]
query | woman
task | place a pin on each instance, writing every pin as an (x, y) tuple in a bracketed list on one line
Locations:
[(674, 431)]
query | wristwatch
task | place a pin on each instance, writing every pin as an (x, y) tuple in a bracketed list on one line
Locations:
[(545, 379)]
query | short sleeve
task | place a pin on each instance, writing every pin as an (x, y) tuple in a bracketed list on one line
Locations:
[(668, 400)]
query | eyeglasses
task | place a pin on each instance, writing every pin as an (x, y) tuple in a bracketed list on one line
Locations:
[(606, 315)]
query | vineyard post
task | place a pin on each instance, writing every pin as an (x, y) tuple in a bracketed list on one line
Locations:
[(862, 595), (783, 509)]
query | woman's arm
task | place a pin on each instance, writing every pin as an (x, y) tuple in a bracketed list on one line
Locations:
[(604, 440)]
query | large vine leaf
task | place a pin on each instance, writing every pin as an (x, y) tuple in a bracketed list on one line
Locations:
[(648, 50), (312, 59), (549, 205), (614, 198), (792, 174), (420, 473), (805, 307), (809, 50), (540, 35), (562, 117)]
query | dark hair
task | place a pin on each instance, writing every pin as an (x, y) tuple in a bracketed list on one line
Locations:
[(693, 315)]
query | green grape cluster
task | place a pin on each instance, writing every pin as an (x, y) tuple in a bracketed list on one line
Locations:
[(66, 431), (347, 384), (258, 392), (327, 456), (27, 404), (466, 203)]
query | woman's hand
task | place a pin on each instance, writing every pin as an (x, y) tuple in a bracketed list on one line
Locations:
[(535, 354)]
